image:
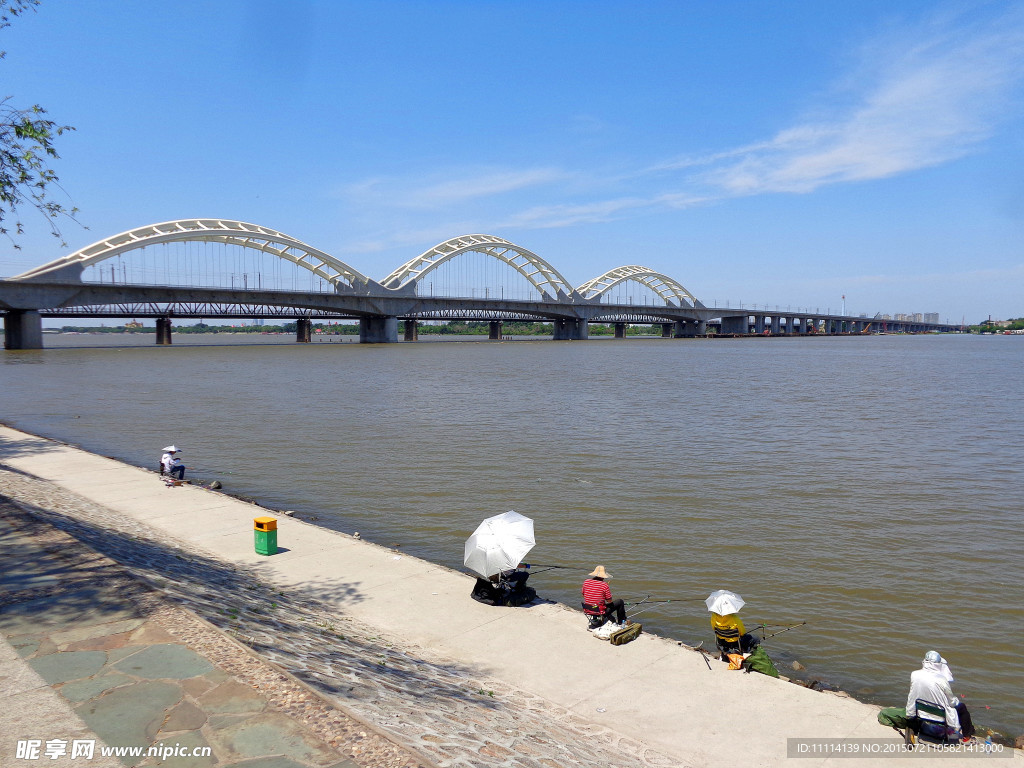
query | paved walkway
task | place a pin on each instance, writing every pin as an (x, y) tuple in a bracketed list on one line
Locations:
[(91, 657), (397, 642)]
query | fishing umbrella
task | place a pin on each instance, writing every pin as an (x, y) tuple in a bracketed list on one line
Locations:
[(724, 602), (499, 543)]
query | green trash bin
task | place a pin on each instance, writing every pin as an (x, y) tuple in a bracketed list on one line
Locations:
[(266, 535)]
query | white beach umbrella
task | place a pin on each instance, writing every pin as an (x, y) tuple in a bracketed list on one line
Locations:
[(499, 543), (724, 602)]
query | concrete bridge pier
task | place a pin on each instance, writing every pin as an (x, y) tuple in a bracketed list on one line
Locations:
[(412, 330), (620, 330), (666, 330), (303, 330), (702, 327), (776, 325), (23, 329), (684, 328), (163, 331), (571, 329), (494, 330), (378, 329), (736, 325), (759, 324)]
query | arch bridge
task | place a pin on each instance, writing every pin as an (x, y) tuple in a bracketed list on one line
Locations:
[(60, 288)]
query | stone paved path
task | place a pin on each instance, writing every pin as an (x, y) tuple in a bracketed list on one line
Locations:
[(140, 671), (429, 703)]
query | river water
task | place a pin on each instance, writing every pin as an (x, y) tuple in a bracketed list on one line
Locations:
[(870, 486)]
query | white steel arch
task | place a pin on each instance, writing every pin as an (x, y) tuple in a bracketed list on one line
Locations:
[(210, 231), (668, 289), (544, 277)]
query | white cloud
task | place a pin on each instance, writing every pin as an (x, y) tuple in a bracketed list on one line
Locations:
[(434, 194), (931, 101), (547, 217), (919, 97)]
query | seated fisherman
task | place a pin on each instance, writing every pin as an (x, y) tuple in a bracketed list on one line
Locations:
[(506, 588), (487, 592), (931, 684), (731, 636), (513, 582), (171, 463), (597, 598)]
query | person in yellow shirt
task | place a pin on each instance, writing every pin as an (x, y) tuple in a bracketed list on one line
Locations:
[(731, 635)]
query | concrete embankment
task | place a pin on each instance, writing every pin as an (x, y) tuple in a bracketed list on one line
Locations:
[(98, 666), (399, 642)]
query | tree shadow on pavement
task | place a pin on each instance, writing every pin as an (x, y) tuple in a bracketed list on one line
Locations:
[(13, 448), (331, 652)]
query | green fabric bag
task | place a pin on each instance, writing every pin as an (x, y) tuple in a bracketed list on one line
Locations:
[(894, 717), (623, 636), (758, 661)]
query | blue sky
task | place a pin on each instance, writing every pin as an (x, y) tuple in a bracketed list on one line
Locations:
[(784, 153)]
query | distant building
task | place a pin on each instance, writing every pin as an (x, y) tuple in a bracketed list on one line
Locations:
[(918, 317), (931, 317), (995, 323)]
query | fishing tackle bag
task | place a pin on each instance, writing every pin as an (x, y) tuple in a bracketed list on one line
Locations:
[(894, 717), (758, 661), (626, 634)]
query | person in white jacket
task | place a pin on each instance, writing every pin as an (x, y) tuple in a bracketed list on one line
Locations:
[(931, 683), (170, 464)]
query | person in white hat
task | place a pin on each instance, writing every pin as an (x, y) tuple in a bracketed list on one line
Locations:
[(931, 683), (170, 464), (597, 598)]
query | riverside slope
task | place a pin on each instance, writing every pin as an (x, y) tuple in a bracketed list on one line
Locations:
[(651, 691)]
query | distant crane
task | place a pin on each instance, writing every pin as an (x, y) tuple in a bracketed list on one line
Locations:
[(876, 319)]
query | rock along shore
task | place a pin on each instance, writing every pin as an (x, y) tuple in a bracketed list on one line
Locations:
[(396, 641)]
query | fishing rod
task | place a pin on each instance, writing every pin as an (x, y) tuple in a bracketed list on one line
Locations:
[(764, 626), (544, 568), (704, 654), (642, 602), (673, 600), (794, 626), (549, 567)]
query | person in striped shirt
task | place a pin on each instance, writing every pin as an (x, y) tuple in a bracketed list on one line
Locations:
[(597, 597)]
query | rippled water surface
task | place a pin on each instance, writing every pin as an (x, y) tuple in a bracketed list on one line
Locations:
[(871, 487)]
